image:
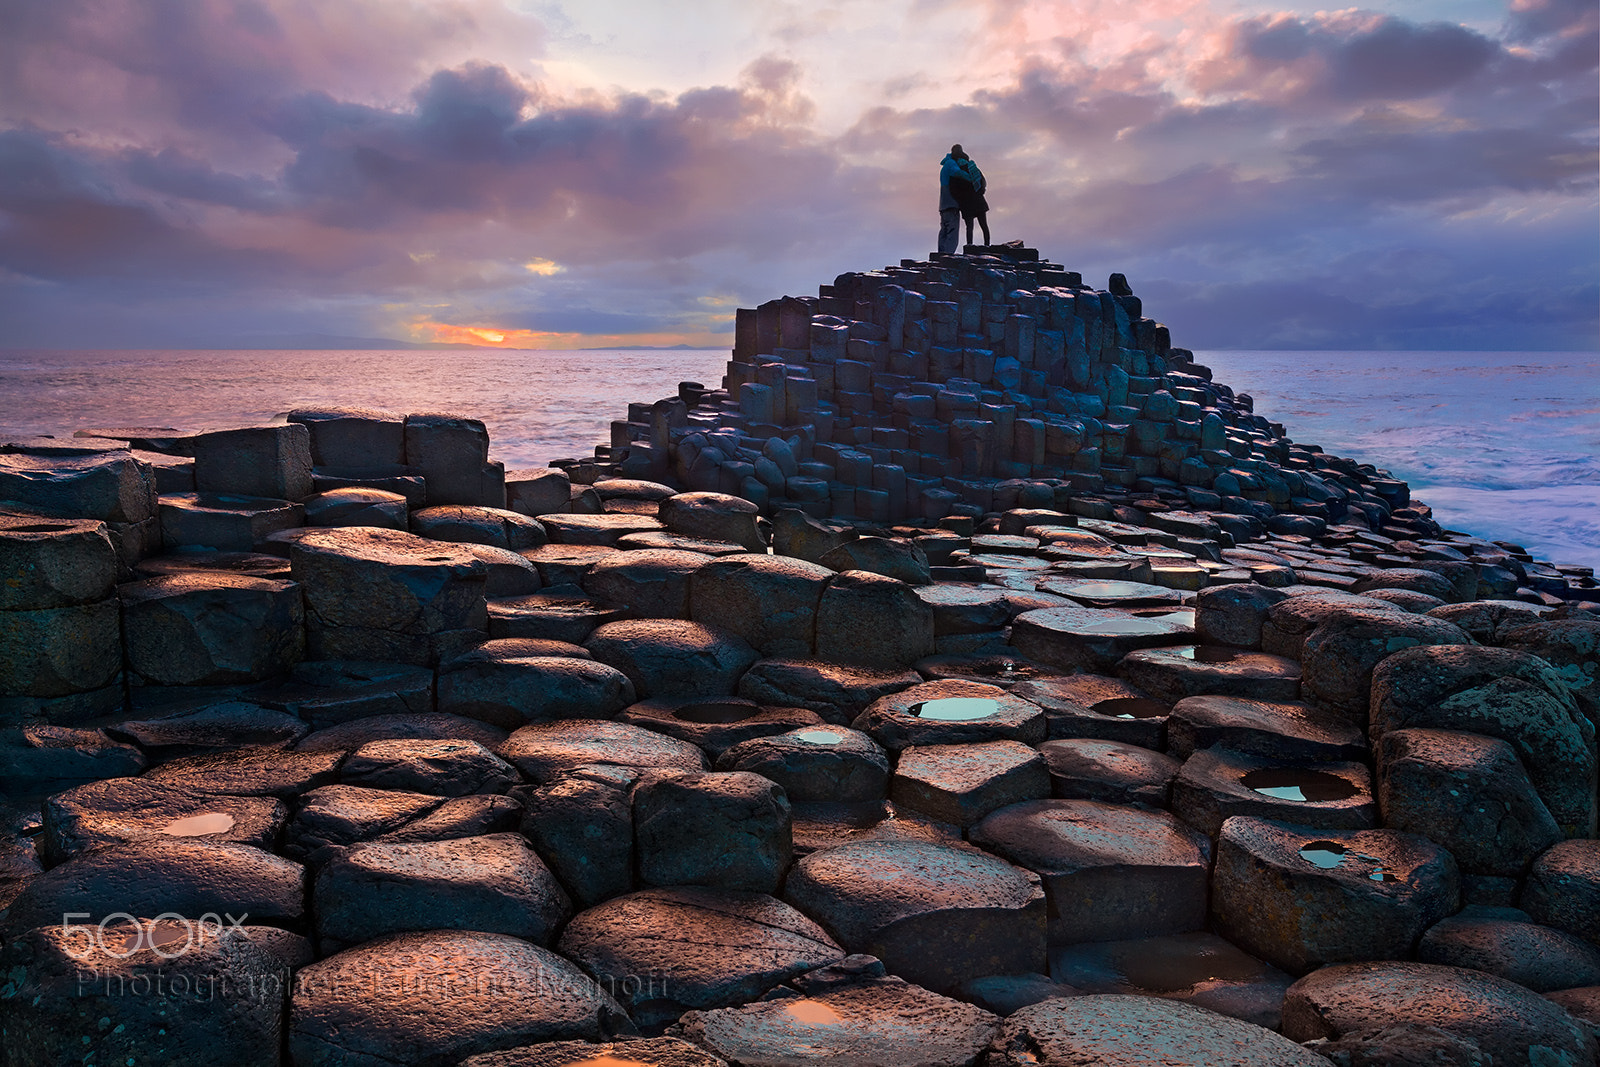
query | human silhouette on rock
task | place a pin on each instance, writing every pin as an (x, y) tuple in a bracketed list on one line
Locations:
[(968, 190)]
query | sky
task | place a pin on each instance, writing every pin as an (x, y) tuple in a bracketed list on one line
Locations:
[(1416, 174)]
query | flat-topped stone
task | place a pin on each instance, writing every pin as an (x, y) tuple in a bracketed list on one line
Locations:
[(249, 772), (962, 783), (1216, 784), (835, 692), (1504, 942), (1271, 729), (496, 527), (351, 735), (910, 903), (950, 712), (1302, 898), (1091, 639), (603, 530), (692, 948), (861, 1025), (673, 658), (543, 750), (719, 723), (999, 668), (1111, 872), (502, 993), (1514, 1025), (1171, 674), (1108, 771), (341, 815), (449, 768), (251, 564), (211, 628), (556, 613), (769, 601), (815, 763), (121, 810), (653, 583), (1096, 706), (1117, 1030), (1113, 594), (53, 563)]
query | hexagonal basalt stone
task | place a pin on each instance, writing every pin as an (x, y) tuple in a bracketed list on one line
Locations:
[(717, 724), (111, 486), (667, 658), (936, 915), (1111, 872), (345, 814), (1108, 771), (469, 816), (225, 521), (603, 530), (965, 609), (432, 726), (951, 712), (1171, 674), (385, 594), (725, 829), (770, 601), (888, 556), (1501, 693), (495, 527), (651, 1052), (850, 626), (1501, 941), (1093, 706), (434, 998), (357, 506), (815, 763), (1488, 622), (837, 693), (862, 1025), (1113, 1030), (1234, 614), (1290, 621), (1302, 898), (1090, 639), (151, 876), (1572, 647), (1114, 594), (211, 629), (446, 768), (1002, 669), (509, 573), (54, 563), (554, 614), (145, 991), (497, 683), (543, 750), (250, 772), (653, 583), (1563, 888), (496, 884), (1216, 784), (1271, 729), (327, 692), (121, 810), (1338, 657), (251, 564), (56, 652), (962, 783), (668, 951), (715, 517), (1196, 968), (581, 821), (266, 461), (1466, 792), (1515, 1026), (209, 727)]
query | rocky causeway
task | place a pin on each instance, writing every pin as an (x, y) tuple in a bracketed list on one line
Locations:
[(967, 679)]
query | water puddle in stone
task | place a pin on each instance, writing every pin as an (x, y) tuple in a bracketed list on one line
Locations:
[(211, 822), (813, 1013), (1298, 784), (1130, 708), (1208, 654), (716, 712), (818, 737), (956, 709), (1128, 627), (1330, 854), (1166, 967)]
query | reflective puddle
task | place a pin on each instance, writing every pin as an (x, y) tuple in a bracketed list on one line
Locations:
[(1299, 784), (818, 737), (956, 709), (211, 822), (1331, 854), (1127, 627), (1208, 654), (1130, 708)]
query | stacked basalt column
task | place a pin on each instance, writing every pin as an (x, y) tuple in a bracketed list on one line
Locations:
[(968, 384)]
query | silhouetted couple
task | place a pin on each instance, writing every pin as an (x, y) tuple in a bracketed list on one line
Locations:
[(961, 189)]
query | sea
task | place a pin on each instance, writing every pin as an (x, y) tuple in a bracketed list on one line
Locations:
[(1504, 445)]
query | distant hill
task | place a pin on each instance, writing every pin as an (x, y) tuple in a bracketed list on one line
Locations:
[(335, 342)]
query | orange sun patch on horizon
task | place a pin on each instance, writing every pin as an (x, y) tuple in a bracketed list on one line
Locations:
[(496, 337)]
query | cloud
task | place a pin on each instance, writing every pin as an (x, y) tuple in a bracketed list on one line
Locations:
[(365, 167)]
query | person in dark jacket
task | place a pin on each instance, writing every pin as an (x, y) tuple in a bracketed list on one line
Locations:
[(949, 210), (968, 189)]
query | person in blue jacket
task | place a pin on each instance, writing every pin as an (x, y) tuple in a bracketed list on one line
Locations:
[(949, 207)]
